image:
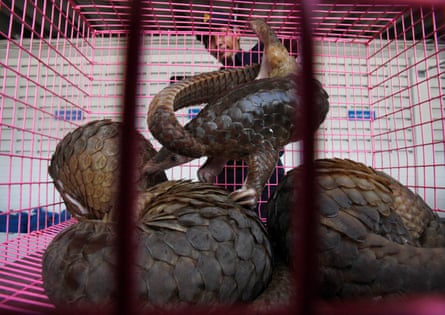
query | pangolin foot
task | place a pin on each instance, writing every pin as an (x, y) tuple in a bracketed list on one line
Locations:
[(245, 197)]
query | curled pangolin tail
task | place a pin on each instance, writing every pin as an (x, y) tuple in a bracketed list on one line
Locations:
[(200, 88), (382, 267)]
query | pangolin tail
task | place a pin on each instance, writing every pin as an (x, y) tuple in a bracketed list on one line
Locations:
[(200, 88)]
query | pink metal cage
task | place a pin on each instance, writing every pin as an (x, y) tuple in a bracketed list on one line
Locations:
[(63, 64)]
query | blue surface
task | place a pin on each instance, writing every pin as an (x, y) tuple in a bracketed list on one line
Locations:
[(361, 114), (193, 112), (71, 114), (38, 219)]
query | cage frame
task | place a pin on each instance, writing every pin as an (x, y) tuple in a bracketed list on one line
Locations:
[(306, 303)]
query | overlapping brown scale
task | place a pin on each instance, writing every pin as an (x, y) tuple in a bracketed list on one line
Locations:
[(85, 171), (209, 250), (374, 232), (246, 115)]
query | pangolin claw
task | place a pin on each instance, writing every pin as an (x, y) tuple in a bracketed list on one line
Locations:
[(246, 197)]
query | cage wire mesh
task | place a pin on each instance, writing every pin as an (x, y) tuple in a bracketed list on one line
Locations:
[(62, 64)]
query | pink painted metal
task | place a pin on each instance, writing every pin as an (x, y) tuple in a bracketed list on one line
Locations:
[(21, 288), (62, 64)]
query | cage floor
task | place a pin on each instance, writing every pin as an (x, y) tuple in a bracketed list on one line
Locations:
[(21, 289)]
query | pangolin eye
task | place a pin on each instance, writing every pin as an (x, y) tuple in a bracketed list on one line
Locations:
[(173, 158)]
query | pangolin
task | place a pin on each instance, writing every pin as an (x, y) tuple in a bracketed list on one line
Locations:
[(194, 245), (245, 119), (377, 237), (85, 164)]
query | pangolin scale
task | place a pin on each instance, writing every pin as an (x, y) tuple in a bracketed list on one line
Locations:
[(251, 121), (195, 246), (85, 165), (377, 237)]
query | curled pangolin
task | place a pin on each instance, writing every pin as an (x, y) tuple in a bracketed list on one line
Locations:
[(251, 121), (374, 232), (195, 246), (85, 164)]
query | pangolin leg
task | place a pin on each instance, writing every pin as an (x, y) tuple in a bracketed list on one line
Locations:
[(211, 168), (261, 165)]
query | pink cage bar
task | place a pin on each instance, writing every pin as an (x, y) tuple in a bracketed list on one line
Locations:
[(63, 64)]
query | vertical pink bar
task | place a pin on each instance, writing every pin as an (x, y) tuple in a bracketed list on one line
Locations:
[(55, 92), (305, 219), (126, 200), (441, 15)]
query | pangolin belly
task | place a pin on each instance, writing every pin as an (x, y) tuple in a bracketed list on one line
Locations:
[(372, 242)]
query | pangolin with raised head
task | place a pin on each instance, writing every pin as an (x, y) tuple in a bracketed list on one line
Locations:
[(245, 119), (85, 165), (377, 237)]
